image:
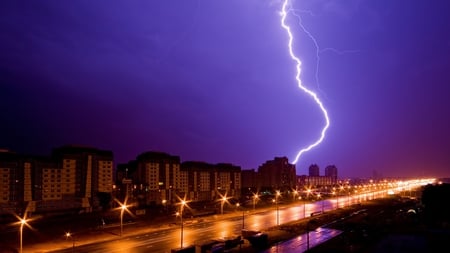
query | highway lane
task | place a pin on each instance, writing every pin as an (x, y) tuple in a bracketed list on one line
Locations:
[(223, 226)]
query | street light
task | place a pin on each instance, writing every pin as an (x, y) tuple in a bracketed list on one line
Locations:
[(337, 199), (339, 194), (276, 202), (182, 204), (294, 193), (224, 198), (164, 203), (255, 197), (349, 192), (22, 222), (68, 234), (123, 207), (320, 197), (308, 191), (237, 208)]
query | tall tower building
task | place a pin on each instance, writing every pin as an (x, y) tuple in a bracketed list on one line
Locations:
[(331, 172), (314, 170), (277, 174)]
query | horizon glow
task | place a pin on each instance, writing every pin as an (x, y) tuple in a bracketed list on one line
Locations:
[(300, 85)]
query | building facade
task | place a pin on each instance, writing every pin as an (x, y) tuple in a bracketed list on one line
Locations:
[(249, 181), (156, 178), (314, 170), (73, 178), (277, 174), (332, 172)]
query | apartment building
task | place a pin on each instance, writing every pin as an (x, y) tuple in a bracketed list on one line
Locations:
[(15, 182), (314, 170), (211, 181), (157, 178), (332, 172), (277, 174), (153, 178), (72, 178)]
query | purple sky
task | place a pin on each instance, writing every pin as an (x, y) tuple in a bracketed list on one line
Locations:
[(213, 81)]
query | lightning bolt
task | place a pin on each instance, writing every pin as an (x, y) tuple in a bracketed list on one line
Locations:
[(319, 51), (284, 13)]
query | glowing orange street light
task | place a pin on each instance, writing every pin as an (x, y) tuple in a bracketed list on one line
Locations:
[(22, 222), (123, 207), (69, 235), (276, 202), (320, 197), (294, 193), (337, 199), (224, 198), (255, 197), (182, 204)]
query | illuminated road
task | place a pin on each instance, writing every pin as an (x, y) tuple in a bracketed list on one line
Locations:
[(142, 237), (221, 226)]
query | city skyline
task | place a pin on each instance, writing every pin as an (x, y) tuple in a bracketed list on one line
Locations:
[(214, 82)]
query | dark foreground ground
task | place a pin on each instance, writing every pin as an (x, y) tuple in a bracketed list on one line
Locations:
[(383, 225)]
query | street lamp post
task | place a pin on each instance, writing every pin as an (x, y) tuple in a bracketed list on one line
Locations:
[(321, 200), (243, 222), (122, 209), (255, 196), (308, 192), (349, 192), (183, 203), (337, 200), (237, 209), (22, 222), (304, 208), (278, 213), (341, 188), (68, 234), (222, 203), (164, 203)]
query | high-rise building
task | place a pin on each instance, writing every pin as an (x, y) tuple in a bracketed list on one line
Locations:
[(277, 174), (314, 170), (201, 180), (72, 178), (332, 172)]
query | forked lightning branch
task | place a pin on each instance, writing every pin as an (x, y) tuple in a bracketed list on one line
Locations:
[(284, 13)]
